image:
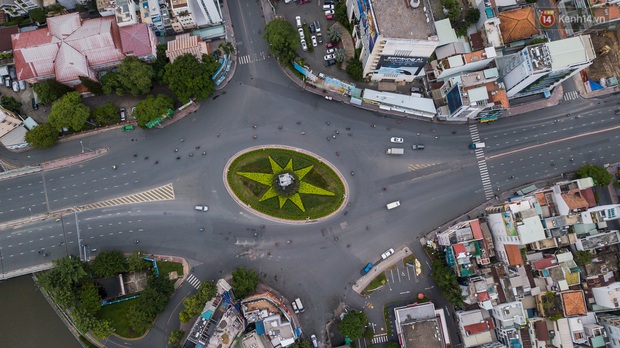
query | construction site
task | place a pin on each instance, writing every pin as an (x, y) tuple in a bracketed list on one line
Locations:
[(605, 69)]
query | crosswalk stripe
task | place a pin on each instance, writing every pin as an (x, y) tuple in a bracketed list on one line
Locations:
[(571, 95), (482, 163), (162, 193), (251, 58), (193, 281), (380, 338)]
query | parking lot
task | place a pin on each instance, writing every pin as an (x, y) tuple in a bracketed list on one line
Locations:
[(311, 13)]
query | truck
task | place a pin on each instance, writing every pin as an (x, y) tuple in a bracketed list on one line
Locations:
[(477, 145), (395, 151), (393, 205)]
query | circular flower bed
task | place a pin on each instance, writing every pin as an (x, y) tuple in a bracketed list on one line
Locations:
[(285, 184)]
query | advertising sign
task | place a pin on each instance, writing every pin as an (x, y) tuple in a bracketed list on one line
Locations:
[(367, 22), (396, 65)]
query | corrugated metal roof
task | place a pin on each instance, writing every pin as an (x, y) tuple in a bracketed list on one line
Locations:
[(70, 64), (63, 26), (138, 40)]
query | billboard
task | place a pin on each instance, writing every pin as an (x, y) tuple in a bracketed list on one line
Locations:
[(397, 65), (367, 22)]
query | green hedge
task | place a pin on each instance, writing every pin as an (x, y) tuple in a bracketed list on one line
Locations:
[(321, 175)]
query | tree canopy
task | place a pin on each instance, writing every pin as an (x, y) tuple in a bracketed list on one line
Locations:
[(355, 69), (108, 264), (151, 302), (50, 90), (69, 112), (152, 107), (132, 76), (42, 136), (187, 77), (11, 104), (283, 39), (244, 281), (93, 87), (195, 304), (447, 282), (106, 114), (599, 174), (159, 65), (353, 325)]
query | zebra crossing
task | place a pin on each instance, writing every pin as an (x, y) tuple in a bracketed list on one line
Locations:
[(380, 338), (571, 95), (162, 193), (255, 57), (482, 163), (193, 281)]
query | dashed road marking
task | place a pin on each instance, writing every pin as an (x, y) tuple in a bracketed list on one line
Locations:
[(162, 193)]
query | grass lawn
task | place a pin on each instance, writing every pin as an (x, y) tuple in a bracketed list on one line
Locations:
[(165, 267), (374, 284), (115, 313), (316, 202)]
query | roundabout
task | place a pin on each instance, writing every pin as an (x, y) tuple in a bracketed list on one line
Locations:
[(285, 184)]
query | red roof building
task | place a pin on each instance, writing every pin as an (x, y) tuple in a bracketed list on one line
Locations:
[(69, 48)]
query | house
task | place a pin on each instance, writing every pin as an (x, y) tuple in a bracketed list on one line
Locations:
[(421, 323), (607, 296), (518, 24), (509, 318), (186, 43), (611, 323), (475, 327), (69, 48), (272, 319)]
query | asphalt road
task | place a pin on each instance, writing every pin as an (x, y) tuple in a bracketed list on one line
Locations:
[(323, 259)]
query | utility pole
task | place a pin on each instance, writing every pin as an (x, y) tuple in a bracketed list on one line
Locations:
[(77, 228)]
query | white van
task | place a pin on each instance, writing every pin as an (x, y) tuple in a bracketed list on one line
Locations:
[(328, 7), (300, 307), (298, 21), (477, 145), (393, 205)]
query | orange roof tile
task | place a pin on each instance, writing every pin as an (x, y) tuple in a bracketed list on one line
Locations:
[(514, 255), (483, 326), (606, 14), (574, 303), (518, 24), (575, 200), (475, 228)]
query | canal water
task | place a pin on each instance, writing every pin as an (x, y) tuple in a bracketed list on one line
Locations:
[(27, 320)]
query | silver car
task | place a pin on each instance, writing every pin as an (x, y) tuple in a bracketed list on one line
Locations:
[(397, 140), (201, 208)]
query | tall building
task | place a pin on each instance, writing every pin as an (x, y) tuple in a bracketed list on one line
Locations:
[(126, 13), (183, 19), (155, 15), (206, 12), (612, 327), (399, 49), (539, 68)]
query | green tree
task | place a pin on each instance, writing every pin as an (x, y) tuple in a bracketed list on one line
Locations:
[(188, 77), (341, 55), (11, 104), (582, 258), (175, 337), (340, 13), (454, 9), (369, 333), (333, 33), (355, 69), (460, 28), (136, 261), (42, 136), (108, 264), (138, 318), (102, 328), (38, 15), (106, 114), (283, 39), (83, 320), (69, 112), (599, 174), (93, 87), (244, 281), (50, 90), (110, 82), (152, 107), (353, 325), (227, 47), (159, 65), (195, 304), (89, 298), (447, 282), (472, 15), (185, 316), (135, 76)]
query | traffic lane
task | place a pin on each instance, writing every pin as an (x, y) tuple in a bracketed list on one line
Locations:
[(22, 197)]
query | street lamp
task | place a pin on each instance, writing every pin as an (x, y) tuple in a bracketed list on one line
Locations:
[(82, 145), (30, 210)]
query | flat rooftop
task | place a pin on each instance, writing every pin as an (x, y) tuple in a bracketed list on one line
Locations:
[(395, 19), (427, 331)]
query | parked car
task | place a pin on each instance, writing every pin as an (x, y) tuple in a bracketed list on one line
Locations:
[(201, 208), (314, 42), (317, 26), (330, 50), (15, 87), (319, 37), (7, 81), (35, 106), (329, 12), (126, 128), (329, 56), (328, 2), (298, 19), (22, 85), (301, 33), (330, 17), (418, 147), (328, 7), (322, 76), (366, 269), (303, 45), (387, 253), (330, 45), (123, 114), (311, 28), (315, 343), (397, 140), (416, 90), (329, 62)]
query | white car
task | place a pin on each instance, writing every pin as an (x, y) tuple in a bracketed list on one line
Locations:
[(329, 56), (387, 254), (301, 33), (331, 50), (314, 42), (396, 140), (303, 45), (329, 12), (315, 343), (201, 208)]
